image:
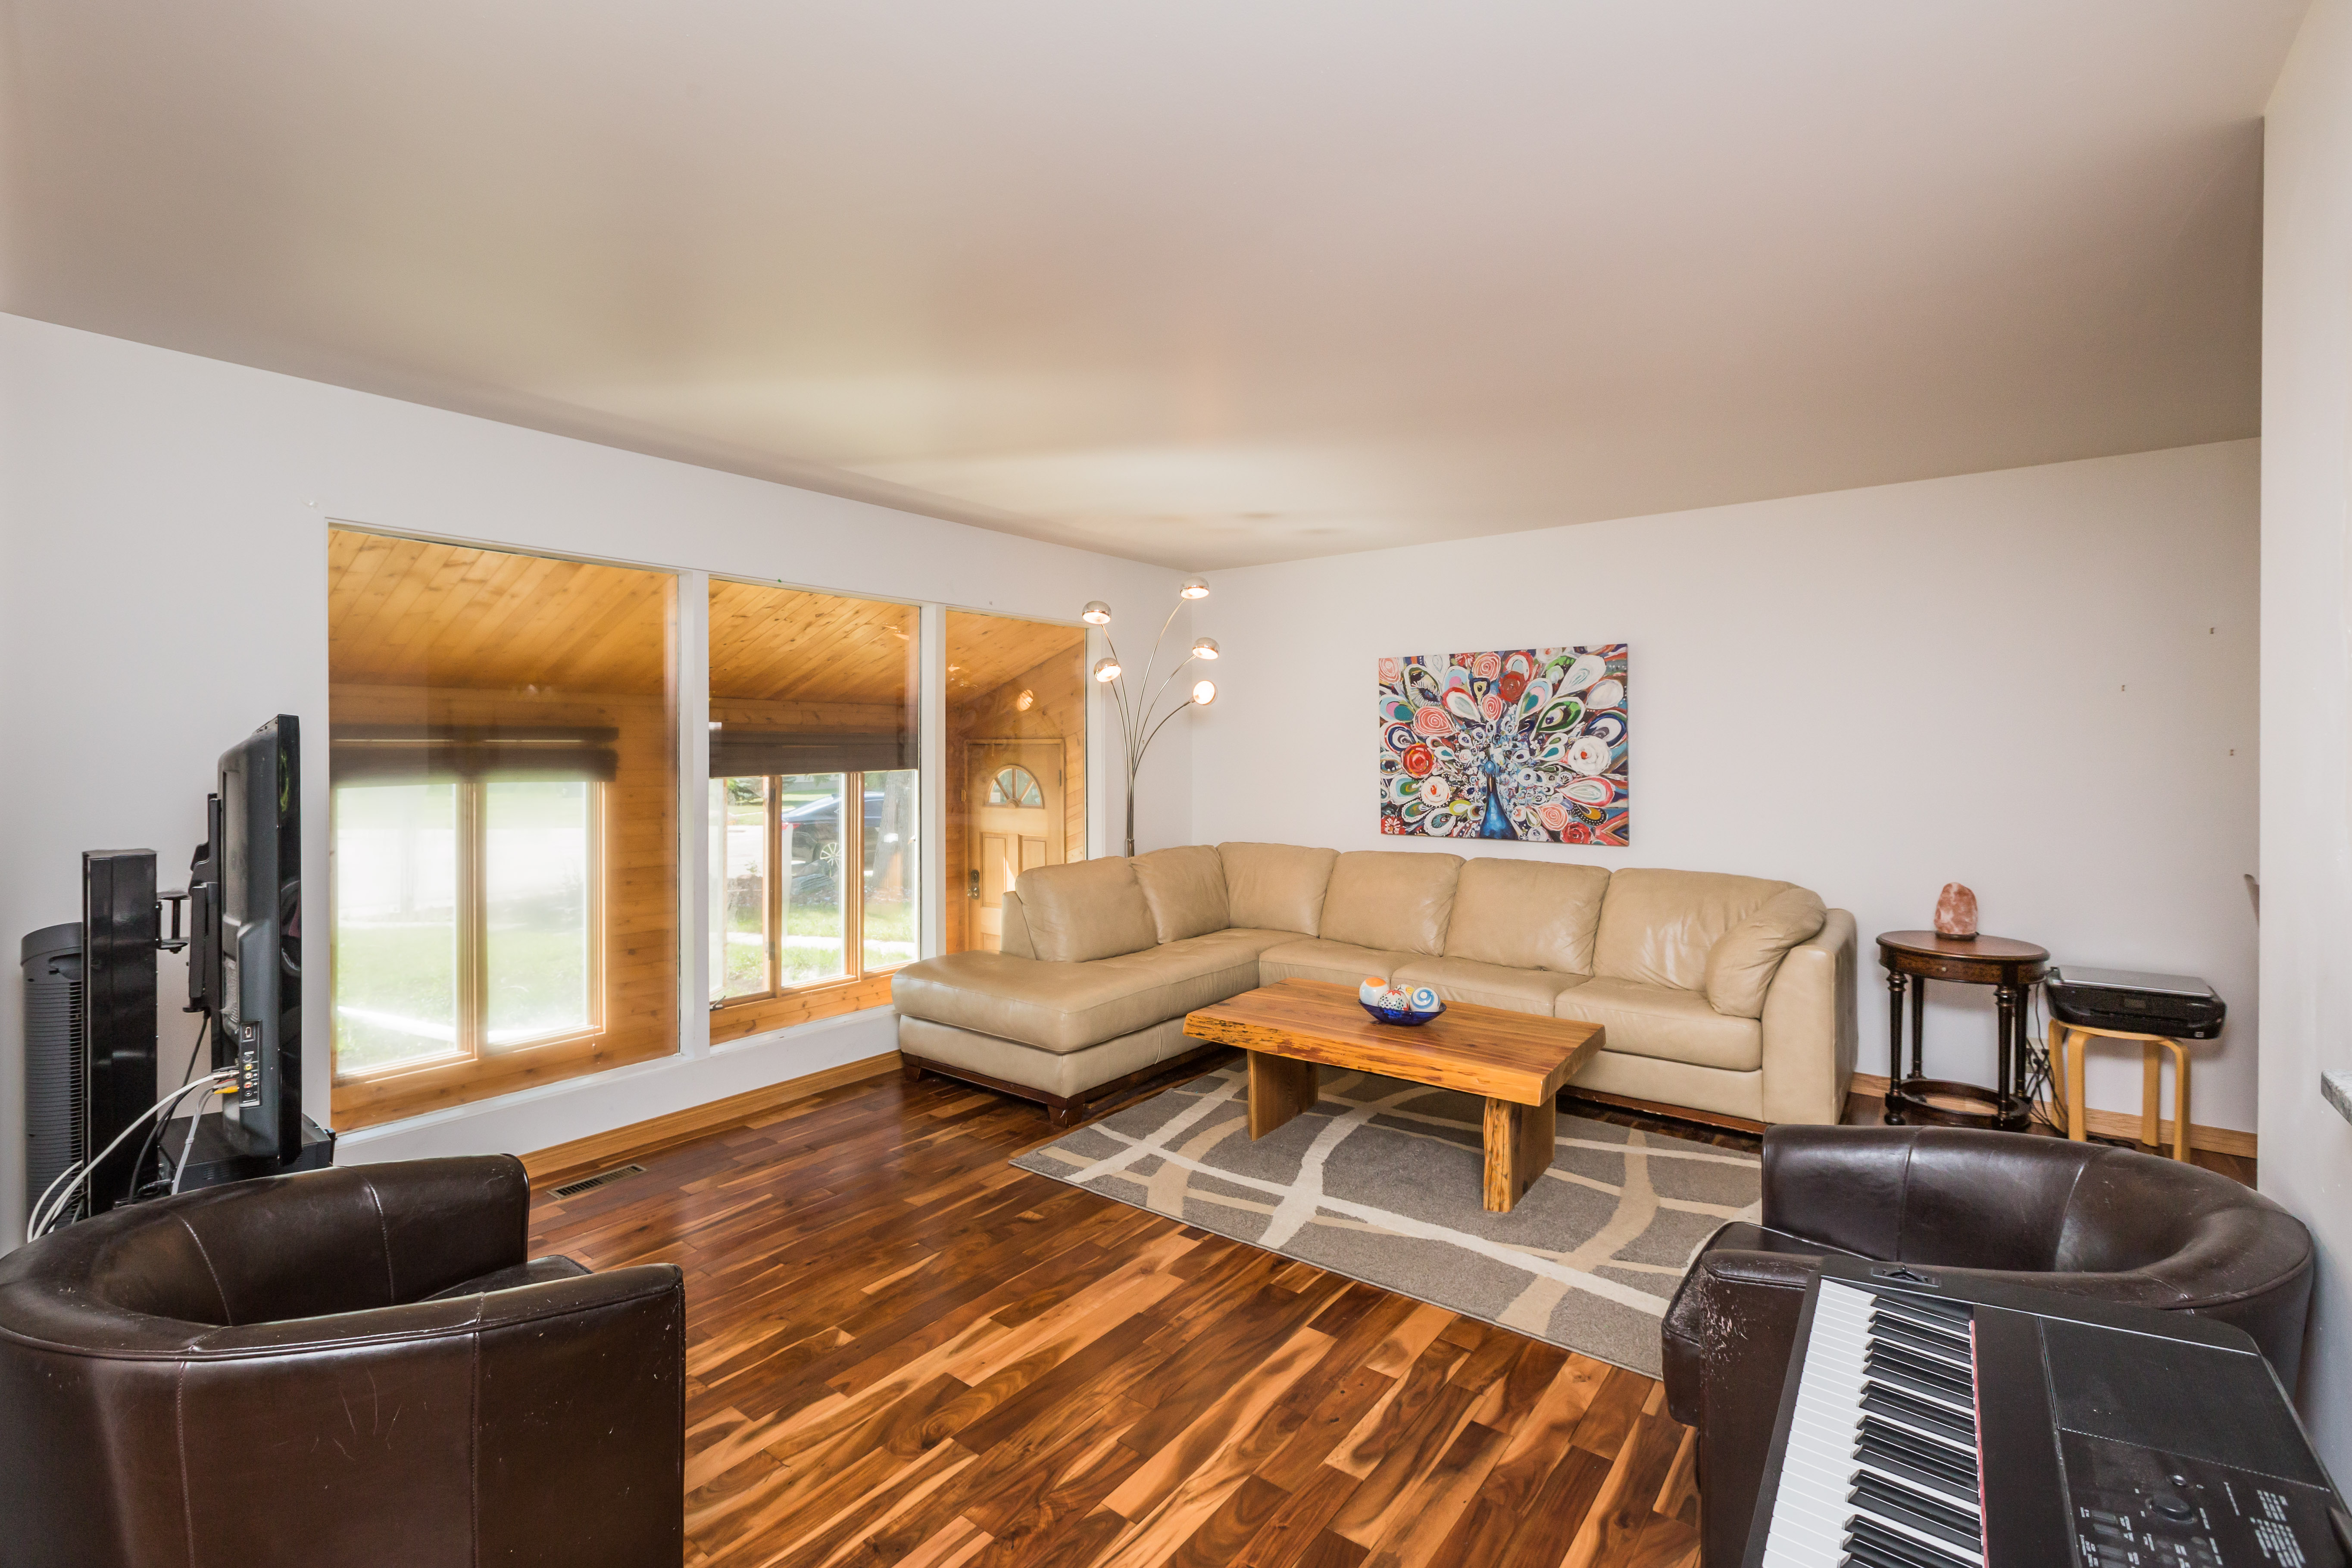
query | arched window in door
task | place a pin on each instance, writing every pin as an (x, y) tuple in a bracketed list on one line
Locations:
[(1014, 786)]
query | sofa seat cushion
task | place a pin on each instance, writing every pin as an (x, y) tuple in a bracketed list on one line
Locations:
[(1243, 939), (1490, 985), (1660, 1021), (1069, 1006), (1340, 963)]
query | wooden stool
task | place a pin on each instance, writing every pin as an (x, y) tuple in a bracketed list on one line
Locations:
[(2068, 1045)]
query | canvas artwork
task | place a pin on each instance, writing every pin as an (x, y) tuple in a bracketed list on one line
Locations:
[(1526, 743)]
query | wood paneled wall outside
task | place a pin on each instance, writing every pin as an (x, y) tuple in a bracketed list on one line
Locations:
[(1057, 712), (443, 637)]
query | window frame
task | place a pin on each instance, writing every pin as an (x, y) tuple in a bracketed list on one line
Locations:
[(854, 969), (472, 1047)]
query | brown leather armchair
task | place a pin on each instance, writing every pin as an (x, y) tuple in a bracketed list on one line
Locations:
[(352, 1366), (2044, 1212)]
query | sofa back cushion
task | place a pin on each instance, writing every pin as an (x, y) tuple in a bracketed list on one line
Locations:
[(1275, 886), (1658, 927), (1186, 889), (1527, 914), (1391, 898), (1740, 968), (1085, 910)]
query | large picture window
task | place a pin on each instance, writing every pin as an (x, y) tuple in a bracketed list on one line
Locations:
[(502, 764), (816, 872)]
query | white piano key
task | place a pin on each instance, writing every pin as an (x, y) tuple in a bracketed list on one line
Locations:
[(1811, 1510)]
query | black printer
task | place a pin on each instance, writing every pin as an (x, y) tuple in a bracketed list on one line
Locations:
[(2178, 1007)]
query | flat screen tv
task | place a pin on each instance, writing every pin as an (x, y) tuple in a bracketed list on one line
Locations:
[(246, 967)]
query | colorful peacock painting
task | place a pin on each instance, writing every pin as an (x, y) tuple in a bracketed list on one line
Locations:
[(1526, 743)]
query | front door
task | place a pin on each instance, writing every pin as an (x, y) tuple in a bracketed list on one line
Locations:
[(1017, 824)]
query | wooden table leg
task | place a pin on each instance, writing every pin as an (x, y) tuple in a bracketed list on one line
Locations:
[(1279, 1089), (2078, 1045), (1520, 1144), (2179, 1099)]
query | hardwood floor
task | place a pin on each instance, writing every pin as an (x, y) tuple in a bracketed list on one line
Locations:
[(901, 1350)]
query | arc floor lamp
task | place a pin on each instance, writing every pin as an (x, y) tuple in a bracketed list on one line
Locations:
[(1140, 723)]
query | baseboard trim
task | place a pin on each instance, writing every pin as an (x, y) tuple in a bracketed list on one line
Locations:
[(604, 1149), (1660, 1108), (2122, 1124)]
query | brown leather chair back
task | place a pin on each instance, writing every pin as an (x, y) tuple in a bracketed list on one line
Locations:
[(2043, 1212), (253, 1375)]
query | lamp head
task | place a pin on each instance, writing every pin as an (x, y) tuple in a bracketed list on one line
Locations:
[(1206, 648), (1203, 693), (1194, 588), (1106, 670), (1096, 614)]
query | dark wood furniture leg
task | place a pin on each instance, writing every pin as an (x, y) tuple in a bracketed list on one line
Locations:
[(1919, 1025), (1279, 1089), (1520, 1144)]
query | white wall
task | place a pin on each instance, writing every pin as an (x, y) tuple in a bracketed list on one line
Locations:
[(2306, 688), (162, 589), (2039, 682)]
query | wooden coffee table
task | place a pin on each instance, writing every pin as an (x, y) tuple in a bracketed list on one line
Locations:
[(1516, 1062)]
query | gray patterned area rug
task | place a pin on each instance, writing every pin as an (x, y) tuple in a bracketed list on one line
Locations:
[(1380, 1181)]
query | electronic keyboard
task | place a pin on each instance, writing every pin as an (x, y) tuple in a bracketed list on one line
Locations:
[(1935, 1420)]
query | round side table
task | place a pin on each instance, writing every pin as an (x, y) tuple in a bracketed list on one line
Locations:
[(1912, 958)]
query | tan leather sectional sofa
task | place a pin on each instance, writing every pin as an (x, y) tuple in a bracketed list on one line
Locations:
[(1733, 995)]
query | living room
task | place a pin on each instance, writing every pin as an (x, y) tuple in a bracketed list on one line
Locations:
[(1928, 433)]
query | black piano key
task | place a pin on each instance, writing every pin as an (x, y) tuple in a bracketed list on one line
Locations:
[(1860, 1555), (1904, 1463), (1903, 1406), (1932, 1307), (1919, 1373), (1905, 1550), (1891, 1326), (1920, 1510), (1960, 1469)]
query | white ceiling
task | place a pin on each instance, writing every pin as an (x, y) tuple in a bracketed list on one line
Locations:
[(1204, 282)]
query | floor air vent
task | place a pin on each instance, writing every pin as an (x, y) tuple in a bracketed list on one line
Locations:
[(586, 1183)]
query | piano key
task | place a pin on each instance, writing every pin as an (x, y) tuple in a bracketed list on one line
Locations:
[(1909, 1310), (1940, 1458), (1898, 1462), (1916, 1552), (1886, 1499), (1913, 1468), (1914, 1373), (1958, 1312), (1919, 1337), (1901, 1405)]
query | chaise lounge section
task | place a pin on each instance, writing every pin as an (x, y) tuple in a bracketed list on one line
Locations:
[(1730, 996)]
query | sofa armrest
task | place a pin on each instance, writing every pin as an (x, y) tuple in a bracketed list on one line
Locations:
[(1811, 1032)]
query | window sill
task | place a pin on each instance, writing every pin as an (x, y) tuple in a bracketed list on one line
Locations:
[(733, 1020)]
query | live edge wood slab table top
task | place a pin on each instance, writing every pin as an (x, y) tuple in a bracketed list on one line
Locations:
[(1516, 1062)]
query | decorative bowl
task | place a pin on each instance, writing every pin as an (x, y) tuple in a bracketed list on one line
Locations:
[(1402, 1017), (1396, 1005)]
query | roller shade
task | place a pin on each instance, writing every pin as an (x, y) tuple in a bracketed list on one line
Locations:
[(750, 753), (392, 754)]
